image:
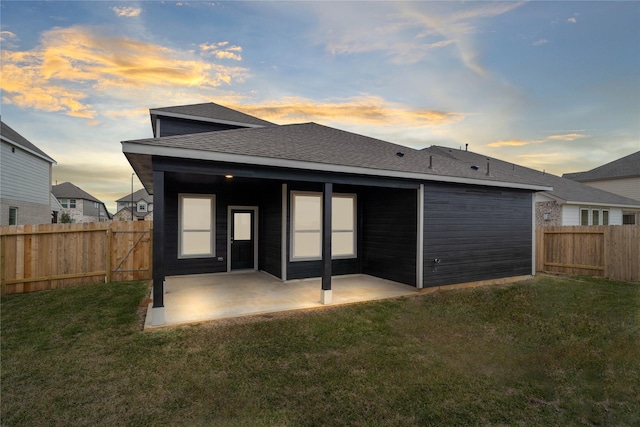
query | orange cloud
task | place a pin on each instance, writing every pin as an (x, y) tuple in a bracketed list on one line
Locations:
[(221, 51), (362, 110), (72, 62), (567, 137), (509, 143)]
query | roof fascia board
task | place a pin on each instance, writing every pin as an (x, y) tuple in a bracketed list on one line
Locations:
[(184, 153), (202, 119), (22, 147), (611, 205)]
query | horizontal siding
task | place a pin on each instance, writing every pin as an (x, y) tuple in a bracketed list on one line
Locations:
[(476, 233), (570, 215), (389, 234), (627, 187), (170, 126), (24, 176)]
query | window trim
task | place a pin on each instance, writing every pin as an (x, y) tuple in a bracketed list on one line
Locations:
[(292, 231), (212, 229)]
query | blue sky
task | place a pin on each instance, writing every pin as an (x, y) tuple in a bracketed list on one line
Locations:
[(549, 85)]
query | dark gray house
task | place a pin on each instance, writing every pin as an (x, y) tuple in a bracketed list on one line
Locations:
[(235, 192)]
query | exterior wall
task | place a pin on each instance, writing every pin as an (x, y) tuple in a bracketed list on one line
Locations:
[(170, 126), (553, 212), (28, 213), (389, 234), (571, 214), (25, 180), (476, 233), (627, 187)]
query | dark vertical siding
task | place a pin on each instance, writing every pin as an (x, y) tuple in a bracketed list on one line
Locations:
[(170, 126), (389, 233), (478, 233)]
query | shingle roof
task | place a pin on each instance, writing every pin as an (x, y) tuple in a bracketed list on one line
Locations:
[(67, 190), (563, 188), (625, 167), (213, 111), (138, 195), (13, 136), (317, 144)]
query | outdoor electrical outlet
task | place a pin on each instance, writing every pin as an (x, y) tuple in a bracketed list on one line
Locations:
[(220, 258)]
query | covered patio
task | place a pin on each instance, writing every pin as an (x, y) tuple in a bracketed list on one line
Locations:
[(204, 297)]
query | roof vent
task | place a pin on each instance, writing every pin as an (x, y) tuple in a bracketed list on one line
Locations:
[(400, 154), (474, 167)]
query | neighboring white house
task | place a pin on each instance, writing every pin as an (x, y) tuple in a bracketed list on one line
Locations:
[(80, 205), (569, 203), (620, 177), (25, 180), (142, 206)]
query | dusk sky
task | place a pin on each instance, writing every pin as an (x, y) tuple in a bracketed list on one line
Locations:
[(549, 85)]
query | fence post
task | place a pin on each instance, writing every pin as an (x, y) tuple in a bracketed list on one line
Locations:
[(3, 265), (108, 260)]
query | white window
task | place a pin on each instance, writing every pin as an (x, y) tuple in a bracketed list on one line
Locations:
[(142, 207), (13, 216), (64, 203), (72, 203), (584, 216), (343, 230), (605, 217), (197, 225), (595, 214), (306, 226)]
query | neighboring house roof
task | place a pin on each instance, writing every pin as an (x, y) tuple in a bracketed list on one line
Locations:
[(564, 190), (311, 146), (14, 138), (67, 190), (137, 196), (210, 112), (625, 167)]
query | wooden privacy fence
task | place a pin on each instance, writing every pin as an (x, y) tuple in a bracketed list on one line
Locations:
[(50, 256), (611, 251)]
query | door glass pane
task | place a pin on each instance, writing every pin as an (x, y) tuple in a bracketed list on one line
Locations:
[(196, 243), (307, 212), (307, 245), (342, 213), (241, 226), (342, 243), (196, 213)]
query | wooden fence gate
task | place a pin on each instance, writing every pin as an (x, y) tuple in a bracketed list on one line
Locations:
[(51, 256), (611, 251)]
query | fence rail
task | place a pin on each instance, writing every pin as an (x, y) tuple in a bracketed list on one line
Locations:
[(606, 251), (51, 256)]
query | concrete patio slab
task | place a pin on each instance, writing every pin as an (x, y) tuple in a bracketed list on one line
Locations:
[(202, 297)]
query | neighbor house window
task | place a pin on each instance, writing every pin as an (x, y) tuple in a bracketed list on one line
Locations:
[(64, 203), (142, 207), (196, 225), (584, 217), (72, 203), (628, 219), (13, 216), (605, 217), (306, 226), (596, 217)]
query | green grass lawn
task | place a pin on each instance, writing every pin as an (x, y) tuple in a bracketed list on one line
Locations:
[(552, 351)]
